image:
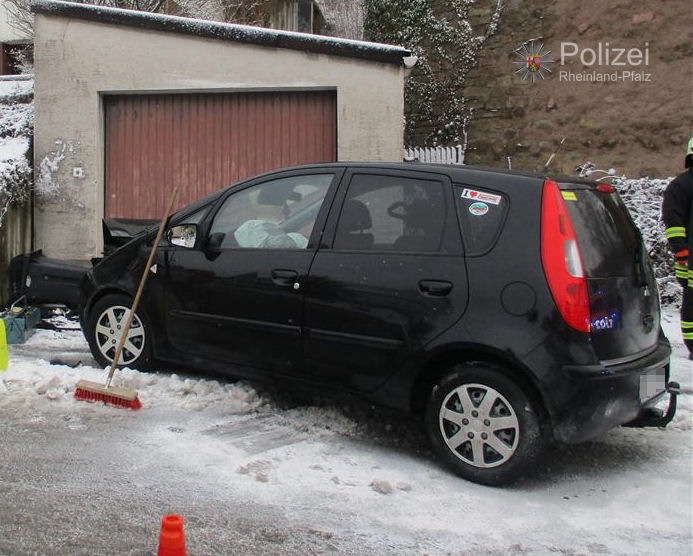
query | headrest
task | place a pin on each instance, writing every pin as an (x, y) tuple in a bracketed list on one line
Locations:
[(355, 216), (418, 214), (276, 194)]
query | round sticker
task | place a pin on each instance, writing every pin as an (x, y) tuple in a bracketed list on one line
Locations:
[(478, 209)]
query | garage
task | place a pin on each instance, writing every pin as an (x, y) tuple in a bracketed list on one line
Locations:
[(202, 142), (130, 104)]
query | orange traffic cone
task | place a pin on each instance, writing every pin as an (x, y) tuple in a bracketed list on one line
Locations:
[(171, 539)]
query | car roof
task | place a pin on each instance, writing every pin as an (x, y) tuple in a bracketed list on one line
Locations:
[(481, 176), (460, 170)]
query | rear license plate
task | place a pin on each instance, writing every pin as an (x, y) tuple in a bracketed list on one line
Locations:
[(652, 383)]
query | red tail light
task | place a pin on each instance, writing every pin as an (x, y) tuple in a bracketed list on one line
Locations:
[(560, 255), (605, 188)]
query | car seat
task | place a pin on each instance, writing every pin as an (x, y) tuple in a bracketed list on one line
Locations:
[(423, 226), (353, 223)]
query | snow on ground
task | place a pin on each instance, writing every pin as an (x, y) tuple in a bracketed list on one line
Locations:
[(253, 473)]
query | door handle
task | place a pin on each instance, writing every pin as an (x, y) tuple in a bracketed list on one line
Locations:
[(285, 277), (435, 288)]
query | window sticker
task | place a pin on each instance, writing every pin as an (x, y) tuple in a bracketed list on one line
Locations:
[(481, 196), (478, 209), (569, 195)]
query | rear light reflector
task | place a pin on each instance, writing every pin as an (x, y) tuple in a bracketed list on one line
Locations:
[(605, 188), (560, 256)]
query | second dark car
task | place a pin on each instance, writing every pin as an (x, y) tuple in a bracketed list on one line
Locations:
[(506, 309)]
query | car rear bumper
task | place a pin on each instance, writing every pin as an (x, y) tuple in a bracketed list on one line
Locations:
[(607, 396)]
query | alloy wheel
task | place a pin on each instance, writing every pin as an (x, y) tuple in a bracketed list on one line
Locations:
[(479, 425), (109, 327)]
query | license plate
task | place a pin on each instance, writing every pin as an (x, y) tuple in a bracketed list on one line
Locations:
[(652, 383)]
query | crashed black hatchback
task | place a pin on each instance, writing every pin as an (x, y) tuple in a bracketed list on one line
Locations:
[(505, 309)]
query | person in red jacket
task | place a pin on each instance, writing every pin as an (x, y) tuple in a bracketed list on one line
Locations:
[(677, 214)]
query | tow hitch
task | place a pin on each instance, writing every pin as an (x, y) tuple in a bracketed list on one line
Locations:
[(655, 416)]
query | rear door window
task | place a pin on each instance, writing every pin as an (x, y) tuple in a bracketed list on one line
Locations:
[(481, 213), (609, 241), (392, 213)]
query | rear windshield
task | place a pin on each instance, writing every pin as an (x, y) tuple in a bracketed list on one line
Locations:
[(609, 241)]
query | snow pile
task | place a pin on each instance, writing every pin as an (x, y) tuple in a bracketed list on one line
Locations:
[(28, 381), (31, 380)]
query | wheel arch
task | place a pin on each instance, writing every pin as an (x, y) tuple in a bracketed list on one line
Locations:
[(98, 296), (440, 364)]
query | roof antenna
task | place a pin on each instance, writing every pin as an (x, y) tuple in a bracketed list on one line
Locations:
[(553, 154)]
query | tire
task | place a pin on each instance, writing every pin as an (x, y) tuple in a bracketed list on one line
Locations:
[(484, 426), (103, 326)]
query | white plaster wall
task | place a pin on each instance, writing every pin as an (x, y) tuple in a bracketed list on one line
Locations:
[(76, 61)]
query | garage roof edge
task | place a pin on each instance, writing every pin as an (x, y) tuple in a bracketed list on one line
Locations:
[(224, 31)]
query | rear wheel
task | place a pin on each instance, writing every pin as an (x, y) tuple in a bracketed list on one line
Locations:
[(483, 425), (104, 326)]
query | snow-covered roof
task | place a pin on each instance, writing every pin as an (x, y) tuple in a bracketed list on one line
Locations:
[(224, 31)]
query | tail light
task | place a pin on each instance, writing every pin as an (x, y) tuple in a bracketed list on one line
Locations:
[(560, 256), (605, 188)]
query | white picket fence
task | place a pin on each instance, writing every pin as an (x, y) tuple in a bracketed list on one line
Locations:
[(440, 155)]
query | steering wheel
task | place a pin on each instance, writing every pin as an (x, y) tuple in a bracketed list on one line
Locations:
[(392, 210)]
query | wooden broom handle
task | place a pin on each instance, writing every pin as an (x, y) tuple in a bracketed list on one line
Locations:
[(143, 280)]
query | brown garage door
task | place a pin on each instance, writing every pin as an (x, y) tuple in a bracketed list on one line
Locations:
[(202, 142)]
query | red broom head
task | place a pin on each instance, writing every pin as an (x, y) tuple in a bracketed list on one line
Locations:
[(116, 397)]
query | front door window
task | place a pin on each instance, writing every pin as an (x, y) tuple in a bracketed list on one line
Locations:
[(277, 214)]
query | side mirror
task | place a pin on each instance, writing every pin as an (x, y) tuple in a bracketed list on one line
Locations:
[(184, 235)]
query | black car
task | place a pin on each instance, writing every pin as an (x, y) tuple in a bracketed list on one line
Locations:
[(506, 309)]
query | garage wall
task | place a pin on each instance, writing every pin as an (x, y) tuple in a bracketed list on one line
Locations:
[(78, 63), (202, 142)]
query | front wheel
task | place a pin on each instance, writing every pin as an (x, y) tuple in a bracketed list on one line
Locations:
[(483, 425), (104, 326)]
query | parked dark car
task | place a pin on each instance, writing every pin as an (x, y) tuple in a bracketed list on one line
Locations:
[(506, 309)]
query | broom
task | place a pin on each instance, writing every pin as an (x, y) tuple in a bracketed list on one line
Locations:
[(112, 395)]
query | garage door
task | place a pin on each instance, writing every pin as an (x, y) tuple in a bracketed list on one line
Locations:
[(202, 142)]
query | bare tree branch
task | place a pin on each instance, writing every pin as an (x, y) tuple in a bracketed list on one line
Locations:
[(247, 12), (345, 18), (22, 19)]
